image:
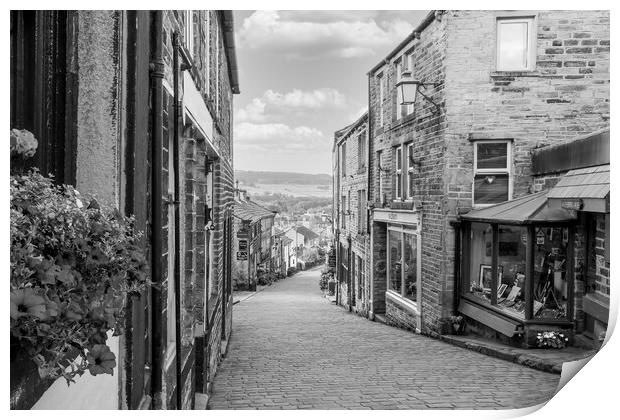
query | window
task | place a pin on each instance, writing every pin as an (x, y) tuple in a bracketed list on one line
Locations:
[(343, 212), (188, 34), (492, 180), (399, 172), (402, 66), (361, 152), (361, 277), (410, 184), (506, 290), (381, 98), (403, 265), (516, 44), (379, 177), (343, 159), (361, 211)]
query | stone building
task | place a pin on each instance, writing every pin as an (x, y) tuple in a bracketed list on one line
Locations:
[(491, 87), (253, 227), (350, 154), (136, 107)]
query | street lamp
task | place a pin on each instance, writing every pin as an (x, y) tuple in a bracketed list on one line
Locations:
[(408, 87)]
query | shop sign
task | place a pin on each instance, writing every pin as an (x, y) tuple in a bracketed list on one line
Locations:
[(572, 203), (242, 255), (243, 245), (540, 237)]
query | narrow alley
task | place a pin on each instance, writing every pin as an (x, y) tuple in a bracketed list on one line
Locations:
[(292, 348)]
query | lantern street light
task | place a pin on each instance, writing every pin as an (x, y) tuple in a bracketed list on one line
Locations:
[(408, 87)]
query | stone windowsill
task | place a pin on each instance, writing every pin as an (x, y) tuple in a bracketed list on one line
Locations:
[(405, 304), (528, 73)]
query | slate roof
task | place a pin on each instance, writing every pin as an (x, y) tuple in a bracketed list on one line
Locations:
[(526, 209), (592, 182), (249, 210), (306, 232)]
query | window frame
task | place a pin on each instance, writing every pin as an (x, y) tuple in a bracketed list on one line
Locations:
[(380, 175), (492, 171), (343, 159), (188, 31), (402, 65), (416, 233), (410, 170), (398, 172), (381, 98), (361, 152), (531, 21)]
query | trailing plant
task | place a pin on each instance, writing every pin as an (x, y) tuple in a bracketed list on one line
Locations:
[(72, 270), (551, 340)]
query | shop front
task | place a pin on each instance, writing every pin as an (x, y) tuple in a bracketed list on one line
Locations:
[(517, 270), (586, 191), (403, 271)]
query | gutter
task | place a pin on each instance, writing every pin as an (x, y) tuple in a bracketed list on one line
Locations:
[(414, 34), (229, 45)]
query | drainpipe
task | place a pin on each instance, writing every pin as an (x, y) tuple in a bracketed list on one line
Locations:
[(157, 75), (457, 265), (369, 275), (177, 69)]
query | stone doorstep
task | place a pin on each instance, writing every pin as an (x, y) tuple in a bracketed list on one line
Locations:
[(547, 360), (201, 401)]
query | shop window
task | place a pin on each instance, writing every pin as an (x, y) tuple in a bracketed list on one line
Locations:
[(516, 44), (506, 291), (403, 263), (511, 255), (492, 182), (550, 288)]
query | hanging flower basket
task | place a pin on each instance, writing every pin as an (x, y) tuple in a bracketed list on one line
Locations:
[(72, 269)]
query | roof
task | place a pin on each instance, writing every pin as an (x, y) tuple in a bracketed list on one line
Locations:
[(341, 134), (527, 209), (425, 22), (249, 210), (586, 183), (286, 240), (306, 232), (229, 45)]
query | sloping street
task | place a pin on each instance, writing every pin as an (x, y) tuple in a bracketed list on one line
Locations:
[(292, 348)]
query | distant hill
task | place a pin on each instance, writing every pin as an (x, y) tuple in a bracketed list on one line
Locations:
[(272, 178)]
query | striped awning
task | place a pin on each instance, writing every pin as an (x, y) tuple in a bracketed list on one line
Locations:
[(585, 189)]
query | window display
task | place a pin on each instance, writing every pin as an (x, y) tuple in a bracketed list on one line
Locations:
[(481, 254), (395, 258), (403, 262), (512, 241), (550, 286)]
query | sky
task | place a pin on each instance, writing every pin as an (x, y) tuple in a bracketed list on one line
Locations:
[(302, 76)]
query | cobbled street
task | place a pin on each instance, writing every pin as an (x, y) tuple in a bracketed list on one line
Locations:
[(293, 349)]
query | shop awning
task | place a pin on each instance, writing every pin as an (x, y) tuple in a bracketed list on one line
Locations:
[(527, 209), (585, 189)]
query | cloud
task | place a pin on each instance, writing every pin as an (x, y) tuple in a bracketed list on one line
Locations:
[(278, 137), (273, 105), (309, 35)]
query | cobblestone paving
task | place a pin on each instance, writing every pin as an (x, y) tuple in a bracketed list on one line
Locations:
[(292, 349)]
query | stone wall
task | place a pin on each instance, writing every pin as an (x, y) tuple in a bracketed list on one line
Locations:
[(424, 128), (355, 227)]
